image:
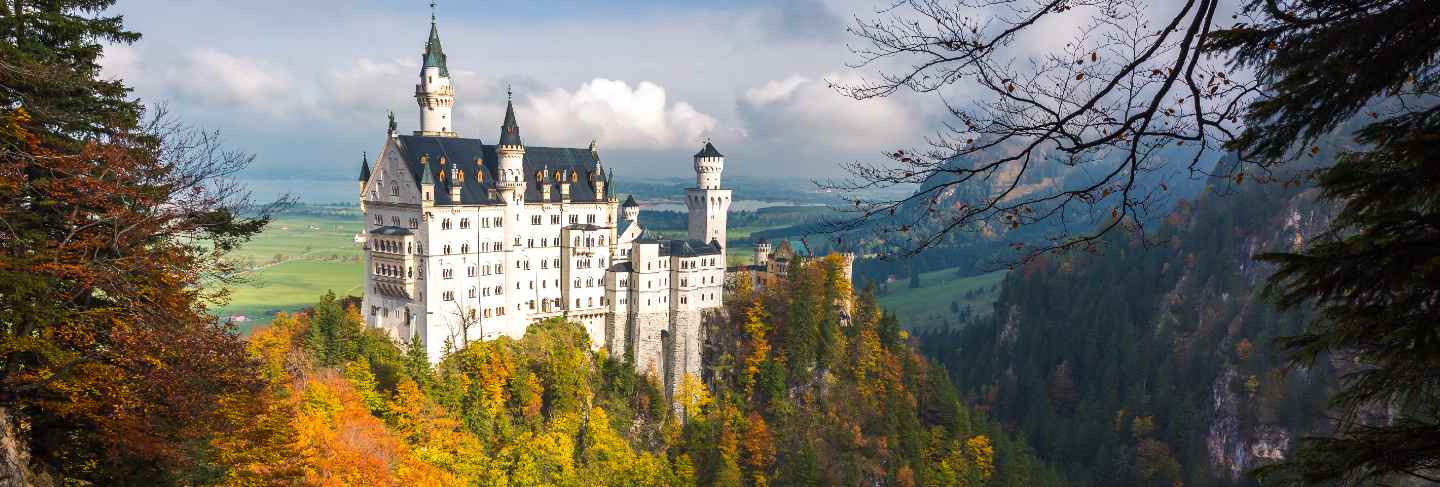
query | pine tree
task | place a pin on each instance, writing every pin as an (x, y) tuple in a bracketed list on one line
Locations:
[(109, 357)]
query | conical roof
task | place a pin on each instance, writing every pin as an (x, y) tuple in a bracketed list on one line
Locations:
[(434, 55), (709, 151), (364, 168), (510, 131), (425, 176), (629, 202)]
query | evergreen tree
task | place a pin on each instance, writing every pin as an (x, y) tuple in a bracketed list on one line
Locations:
[(112, 229), (1373, 277)]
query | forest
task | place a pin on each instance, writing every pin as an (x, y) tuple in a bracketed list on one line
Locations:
[(801, 391), (1152, 364)]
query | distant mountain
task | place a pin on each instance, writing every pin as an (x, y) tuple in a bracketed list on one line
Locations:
[(981, 247), (1152, 364)]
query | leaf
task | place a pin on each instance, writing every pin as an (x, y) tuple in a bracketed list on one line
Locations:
[(1080, 76), (1009, 88), (1094, 57)]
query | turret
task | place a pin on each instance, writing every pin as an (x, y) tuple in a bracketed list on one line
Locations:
[(762, 252), (364, 172), (708, 204), (433, 93), (630, 210), (708, 165), (512, 156), (597, 173), (427, 182)]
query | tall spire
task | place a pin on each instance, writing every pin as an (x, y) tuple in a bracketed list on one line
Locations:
[(364, 167), (434, 55), (509, 131)]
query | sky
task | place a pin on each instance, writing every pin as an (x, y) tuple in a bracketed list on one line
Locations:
[(305, 85)]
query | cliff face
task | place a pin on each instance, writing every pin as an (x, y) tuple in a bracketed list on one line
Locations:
[(1154, 361)]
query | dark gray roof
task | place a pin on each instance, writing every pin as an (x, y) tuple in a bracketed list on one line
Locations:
[(476, 189), (688, 248), (709, 151), (391, 231), (622, 267), (509, 130), (629, 202), (364, 168), (589, 227)]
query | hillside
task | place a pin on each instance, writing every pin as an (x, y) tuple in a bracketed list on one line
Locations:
[(1151, 365), (798, 392)]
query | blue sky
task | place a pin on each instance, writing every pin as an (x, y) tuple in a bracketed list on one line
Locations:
[(304, 85)]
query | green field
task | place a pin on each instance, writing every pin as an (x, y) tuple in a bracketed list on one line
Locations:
[(929, 305), (293, 262)]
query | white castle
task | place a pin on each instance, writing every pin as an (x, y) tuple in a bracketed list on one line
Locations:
[(471, 241)]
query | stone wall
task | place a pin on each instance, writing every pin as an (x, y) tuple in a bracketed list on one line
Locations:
[(647, 342)]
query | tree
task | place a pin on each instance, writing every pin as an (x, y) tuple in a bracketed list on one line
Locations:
[(1122, 97), (1372, 278), (109, 225)]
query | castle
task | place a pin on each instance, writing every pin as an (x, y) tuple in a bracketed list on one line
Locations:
[(470, 241)]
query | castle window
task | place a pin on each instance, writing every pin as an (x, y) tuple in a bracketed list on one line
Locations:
[(445, 224), (544, 263), (414, 223), (464, 222), (574, 219), (447, 249), (470, 271), (534, 219), (395, 220), (447, 273), (394, 191), (529, 242), (577, 302), (447, 296), (554, 219), (500, 311), (589, 218), (499, 222), (472, 294), (487, 312), (464, 248)]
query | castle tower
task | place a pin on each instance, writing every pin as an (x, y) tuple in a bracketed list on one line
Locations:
[(433, 93), (708, 203), (630, 210), (511, 176), (762, 252)]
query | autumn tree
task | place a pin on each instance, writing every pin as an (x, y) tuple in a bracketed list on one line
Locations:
[(110, 223)]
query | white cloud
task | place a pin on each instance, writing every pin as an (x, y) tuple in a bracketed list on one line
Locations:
[(220, 77), (615, 114), (800, 110)]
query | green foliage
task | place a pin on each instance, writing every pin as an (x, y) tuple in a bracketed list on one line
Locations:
[(1374, 278), (1109, 362)]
